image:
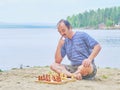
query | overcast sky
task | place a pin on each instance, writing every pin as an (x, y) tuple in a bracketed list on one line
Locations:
[(47, 11)]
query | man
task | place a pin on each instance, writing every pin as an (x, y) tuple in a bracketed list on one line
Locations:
[(80, 48)]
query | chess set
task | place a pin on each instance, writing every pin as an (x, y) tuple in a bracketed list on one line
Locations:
[(54, 78)]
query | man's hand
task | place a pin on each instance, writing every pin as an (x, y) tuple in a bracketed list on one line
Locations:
[(86, 63), (61, 41)]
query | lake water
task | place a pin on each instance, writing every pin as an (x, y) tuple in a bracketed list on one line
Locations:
[(36, 47)]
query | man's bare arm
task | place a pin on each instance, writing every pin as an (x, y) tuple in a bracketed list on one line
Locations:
[(58, 57), (94, 53)]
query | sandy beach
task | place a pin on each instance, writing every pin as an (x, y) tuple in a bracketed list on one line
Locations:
[(24, 79)]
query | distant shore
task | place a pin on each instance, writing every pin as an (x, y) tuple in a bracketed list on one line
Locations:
[(27, 25), (22, 26), (24, 79), (105, 28)]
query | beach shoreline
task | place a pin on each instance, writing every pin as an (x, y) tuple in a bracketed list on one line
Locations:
[(24, 79)]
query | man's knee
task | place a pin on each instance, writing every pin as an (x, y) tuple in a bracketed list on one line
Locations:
[(57, 67), (52, 66)]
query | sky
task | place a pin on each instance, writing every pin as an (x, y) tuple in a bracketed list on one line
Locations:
[(47, 11)]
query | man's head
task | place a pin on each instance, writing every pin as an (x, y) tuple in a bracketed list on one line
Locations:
[(64, 28)]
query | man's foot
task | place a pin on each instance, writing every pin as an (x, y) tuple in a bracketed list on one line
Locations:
[(78, 76), (85, 70)]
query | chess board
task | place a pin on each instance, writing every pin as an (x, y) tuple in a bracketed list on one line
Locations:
[(54, 79)]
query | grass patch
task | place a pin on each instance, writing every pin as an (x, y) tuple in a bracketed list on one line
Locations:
[(108, 67), (47, 66), (14, 68), (41, 66), (36, 66), (104, 76)]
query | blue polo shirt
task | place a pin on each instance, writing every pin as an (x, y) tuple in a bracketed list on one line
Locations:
[(78, 48)]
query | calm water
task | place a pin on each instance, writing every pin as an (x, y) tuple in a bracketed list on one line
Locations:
[(36, 47)]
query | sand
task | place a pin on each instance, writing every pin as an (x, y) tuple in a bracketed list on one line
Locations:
[(24, 79)]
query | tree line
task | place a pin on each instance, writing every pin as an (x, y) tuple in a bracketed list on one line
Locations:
[(100, 18)]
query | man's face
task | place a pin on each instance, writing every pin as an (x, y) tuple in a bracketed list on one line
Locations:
[(63, 30)]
